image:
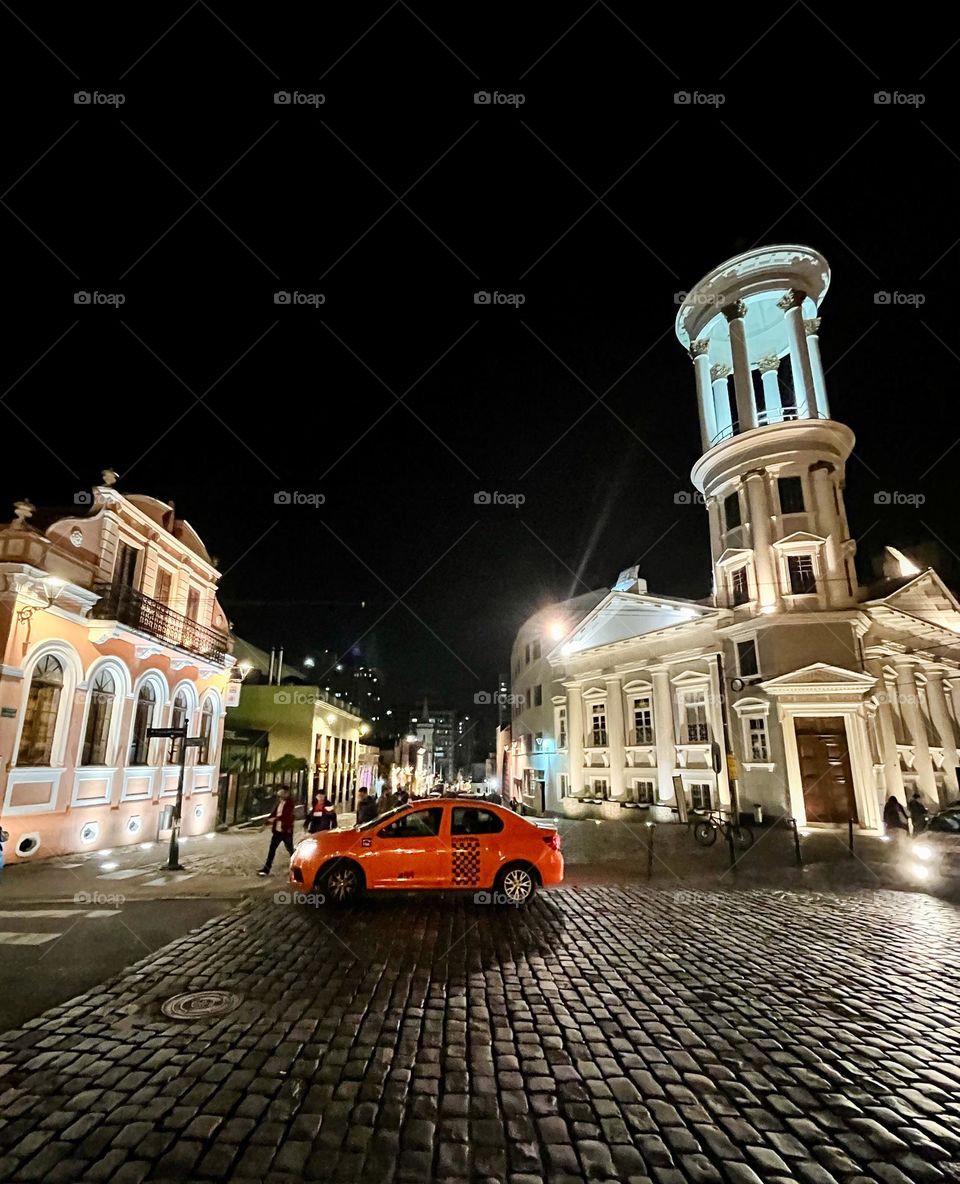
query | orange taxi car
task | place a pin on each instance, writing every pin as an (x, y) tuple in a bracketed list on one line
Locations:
[(439, 843)]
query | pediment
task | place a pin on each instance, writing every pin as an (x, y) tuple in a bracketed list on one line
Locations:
[(819, 678), (928, 598), (800, 538), (621, 616)]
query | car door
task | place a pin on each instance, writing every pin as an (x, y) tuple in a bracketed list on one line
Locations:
[(476, 846), (408, 852)]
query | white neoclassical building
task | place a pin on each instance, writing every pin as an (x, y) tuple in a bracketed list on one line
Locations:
[(828, 696)]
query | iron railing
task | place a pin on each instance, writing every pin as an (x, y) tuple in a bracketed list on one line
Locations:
[(119, 602)]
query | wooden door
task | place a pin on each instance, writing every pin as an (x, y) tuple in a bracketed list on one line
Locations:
[(825, 775)]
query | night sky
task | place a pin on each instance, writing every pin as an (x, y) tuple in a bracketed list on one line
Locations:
[(397, 199)]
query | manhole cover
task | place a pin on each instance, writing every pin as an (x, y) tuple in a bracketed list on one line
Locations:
[(193, 1005)]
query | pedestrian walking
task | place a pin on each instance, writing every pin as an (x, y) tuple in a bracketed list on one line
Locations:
[(4, 838), (366, 807), (320, 816), (918, 812), (894, 816), (281, 827)]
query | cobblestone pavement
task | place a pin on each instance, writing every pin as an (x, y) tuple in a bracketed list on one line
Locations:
[(612, 1033)]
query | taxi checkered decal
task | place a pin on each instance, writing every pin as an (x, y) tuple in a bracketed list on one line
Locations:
[(466, 862)]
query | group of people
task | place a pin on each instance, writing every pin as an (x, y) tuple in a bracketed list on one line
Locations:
[(895, 817)]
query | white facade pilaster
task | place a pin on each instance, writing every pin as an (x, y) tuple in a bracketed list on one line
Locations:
[(769, 377), (616, 737), (908, 697), (701, 369), (721, 399), (804, 391), (575, 738), (942, 721), (887, 734), (664, 731), (759, 509), (742, 375), (812, 330)]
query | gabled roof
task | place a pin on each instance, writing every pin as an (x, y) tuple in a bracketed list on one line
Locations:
[(621, 616), (925, 596)]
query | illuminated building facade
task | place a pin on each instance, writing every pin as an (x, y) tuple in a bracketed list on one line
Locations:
[(829, 696), (109, 626)]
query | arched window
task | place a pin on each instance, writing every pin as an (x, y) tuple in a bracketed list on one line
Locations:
[(40, 717), (102, 694), (206, 731), (142, 719), (178, 717)]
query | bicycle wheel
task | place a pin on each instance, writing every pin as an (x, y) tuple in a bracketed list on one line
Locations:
[(705, 833), (743, 836)]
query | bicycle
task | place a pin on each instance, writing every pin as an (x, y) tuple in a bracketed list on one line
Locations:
[(706, 828)]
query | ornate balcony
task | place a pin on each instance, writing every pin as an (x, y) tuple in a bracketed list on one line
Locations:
[(118, 602)]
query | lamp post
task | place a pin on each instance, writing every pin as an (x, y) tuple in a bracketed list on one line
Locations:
[(173, 860)]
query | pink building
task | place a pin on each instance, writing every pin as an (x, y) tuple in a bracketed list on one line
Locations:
[(109, 626)]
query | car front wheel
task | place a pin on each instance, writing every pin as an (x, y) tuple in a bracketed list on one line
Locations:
[(341, 885), (516, 885)]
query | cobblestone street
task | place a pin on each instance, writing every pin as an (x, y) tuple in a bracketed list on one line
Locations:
[(603, 1034)]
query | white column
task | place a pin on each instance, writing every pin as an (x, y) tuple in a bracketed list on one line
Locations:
[(575, 738), (664, 731), (908, 698), (825, 507), (940, 714), (615, 737), (812, 330), (759, 509), (742, 376), (701, 370), (804, 391), (717, 734), (886, 730), (721, 399), (769, 368)]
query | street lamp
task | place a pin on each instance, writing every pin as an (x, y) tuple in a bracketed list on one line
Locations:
[(173, 860)]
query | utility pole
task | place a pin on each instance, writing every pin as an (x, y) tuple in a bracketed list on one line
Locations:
[(172, 734)]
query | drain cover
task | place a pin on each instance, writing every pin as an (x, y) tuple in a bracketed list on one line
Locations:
[(195, 1005)]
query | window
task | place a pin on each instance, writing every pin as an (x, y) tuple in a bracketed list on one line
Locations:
[(40, 717), (700, 796), (802, 578), (526, 653), (535, 653), (757, 735), (644, 792), (178, 717), (695, 716), (538, 695), (564, 785), (125, 568), (142, 720), (739, 586), (600, 787), (747, 663), (731, 510), (206, 732), (791, 495), (468, 820), (193, 604), (102, 696), (161, 587), (417, 825), (642, 720), (599, 725), (561, 727)]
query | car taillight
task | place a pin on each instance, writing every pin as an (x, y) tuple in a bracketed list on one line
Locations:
[(552, 841)]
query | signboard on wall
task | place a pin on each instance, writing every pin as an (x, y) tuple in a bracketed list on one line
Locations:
[(231, 696), (681, 797)]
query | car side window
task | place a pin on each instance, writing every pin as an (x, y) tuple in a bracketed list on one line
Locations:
[(948, 821), (417, 824), (469, 820)]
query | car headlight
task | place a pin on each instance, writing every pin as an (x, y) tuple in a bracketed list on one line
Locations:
[(923, 852), (305, 848), (921, 871)]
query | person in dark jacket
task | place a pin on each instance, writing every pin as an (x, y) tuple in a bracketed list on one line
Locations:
[(918, 812), (894, 815), (366, 807), (281, 827), (320, 816)]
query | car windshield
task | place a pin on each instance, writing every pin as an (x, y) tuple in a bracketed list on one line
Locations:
[(380, 817)]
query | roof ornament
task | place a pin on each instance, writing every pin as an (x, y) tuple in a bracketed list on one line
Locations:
[(110, 477), (22, 511)]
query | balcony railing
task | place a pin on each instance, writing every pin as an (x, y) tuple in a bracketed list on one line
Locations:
[(641, 737), (698, 733), (597, 738), (118, 602)]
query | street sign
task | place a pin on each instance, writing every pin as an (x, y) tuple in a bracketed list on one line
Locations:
[(732, 772), (194, 742), (167, 733)]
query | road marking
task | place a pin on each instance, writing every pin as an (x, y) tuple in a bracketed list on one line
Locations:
[(125, 874), (26, 939), (162, 881), (37, 912)]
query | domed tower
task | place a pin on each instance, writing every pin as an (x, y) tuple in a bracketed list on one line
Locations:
[(772, 469)]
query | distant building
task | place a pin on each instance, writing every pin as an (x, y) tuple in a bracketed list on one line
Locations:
[(109, 626)]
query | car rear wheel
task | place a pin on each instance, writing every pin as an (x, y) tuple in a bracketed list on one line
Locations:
[(516, 885), (342, 885)]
